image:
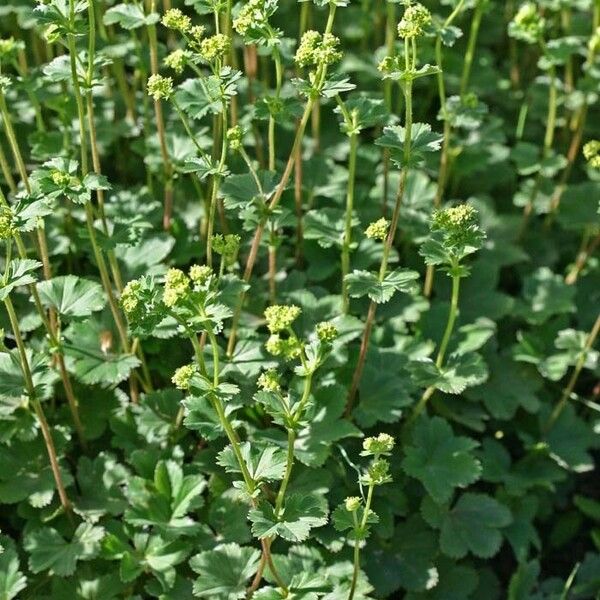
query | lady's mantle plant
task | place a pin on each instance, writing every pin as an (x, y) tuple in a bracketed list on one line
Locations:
[(210, 386)]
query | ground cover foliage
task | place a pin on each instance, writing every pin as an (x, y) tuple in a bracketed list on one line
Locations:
[(300, 300)]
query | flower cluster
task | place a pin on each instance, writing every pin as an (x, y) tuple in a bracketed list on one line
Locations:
[(591, 153), (317, 49), (175, 19), (7, 46), (280, 317), (327, 332), (183, 375), (160, 87), (200, 274), (177, 60), (528, 24), (177, 286), (7, 227), (416, 17), (234, 137), (63, 179), (227, 246), (380, 445), (269, 381), (214, 47), (251, 16), (378, 230), (288, 348)]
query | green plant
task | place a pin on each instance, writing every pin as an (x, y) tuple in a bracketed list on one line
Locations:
[(210, 385)]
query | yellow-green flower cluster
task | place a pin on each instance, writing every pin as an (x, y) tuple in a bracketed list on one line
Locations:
[(594, 42), (175, 19), (182, 376), (591, 152), (234, 137), (528, 24), (160, 87), (416, 17), (130, 296), (317, 49), (62, 178), (280, 317), (327, 331), (7, 227), (214, 47), (177, 286), (200, 274), (226, 245), (269, 381), (455, 218), (377, 446), (288, 348), (250, 15), (7, 46), (378, 230), (5, 83), (176, 60), (379, 472), (352, 503)]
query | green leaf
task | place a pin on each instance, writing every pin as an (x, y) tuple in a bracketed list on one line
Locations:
[(472, 525), (18, 272), (546, 294), (422, 141), (199, 97), (440, 460), (48, 550), (267, 464), (129, 16), (94, 363), (300, 514), (361, 283), (459, 373), (12, 580), (224, 571), (71, 296)]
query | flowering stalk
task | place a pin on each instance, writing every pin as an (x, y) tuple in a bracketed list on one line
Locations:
[(321, 63), (454, 234), (160, 124), (409, 28), (360, 508), (445, 152), (89, 211)]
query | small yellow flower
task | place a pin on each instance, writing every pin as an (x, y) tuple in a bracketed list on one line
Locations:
[(160, 87), (175, 19), (378, 230), (182, 376)]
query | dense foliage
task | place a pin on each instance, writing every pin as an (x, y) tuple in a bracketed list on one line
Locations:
[(300, 300)]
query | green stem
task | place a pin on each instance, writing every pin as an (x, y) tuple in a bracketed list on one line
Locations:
[(439, 361), (347, 242), (362, 526), (470, 53), (566, 395), (39, 411)]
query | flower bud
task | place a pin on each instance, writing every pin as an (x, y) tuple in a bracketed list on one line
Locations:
[(352, 503), (200, 274), (176, 60), (214, 47)]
